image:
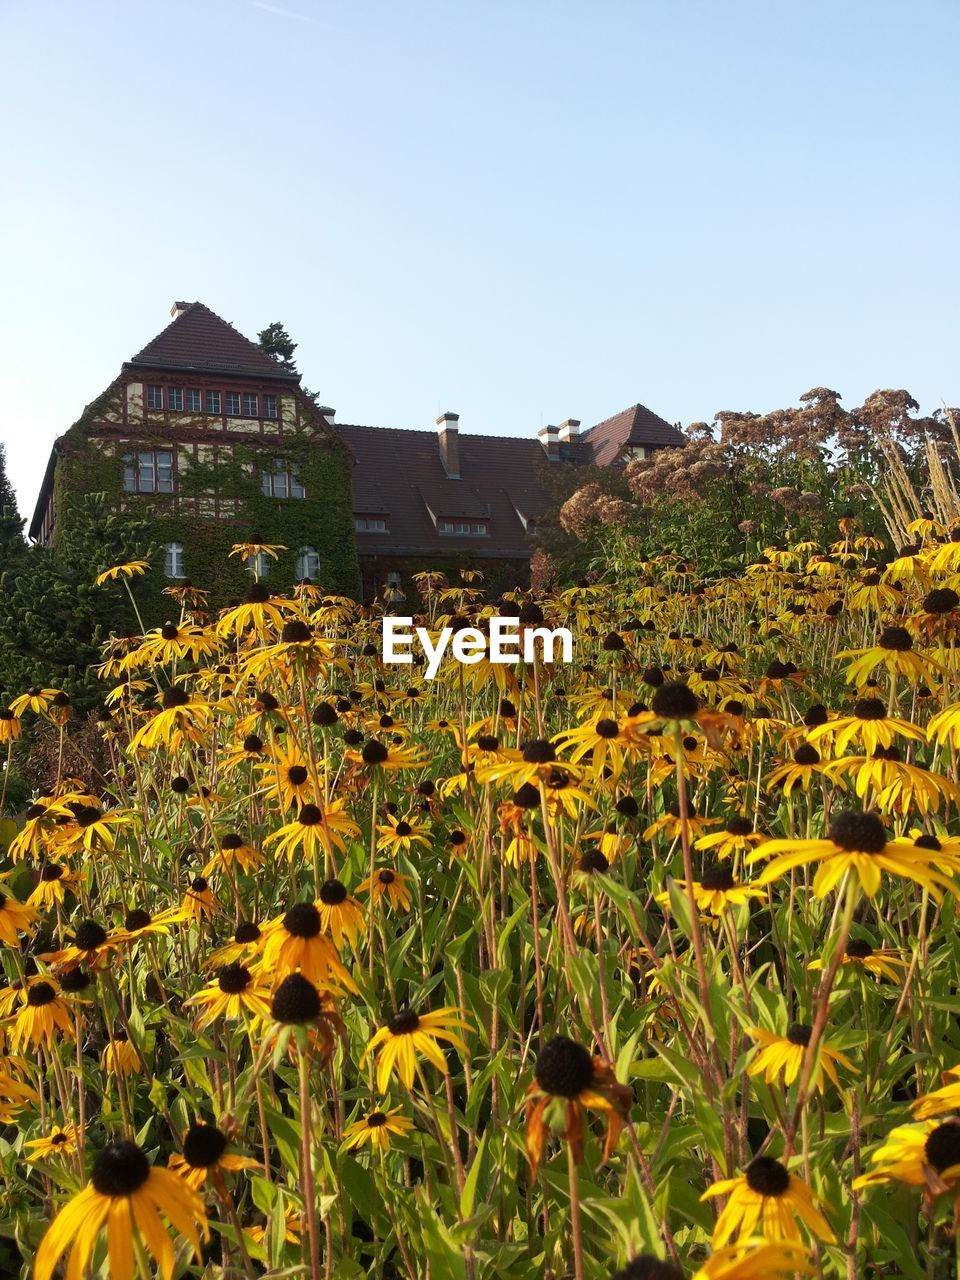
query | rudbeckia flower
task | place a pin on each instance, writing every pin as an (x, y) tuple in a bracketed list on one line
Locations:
[(9, 725), (717, 891), (205, 1153), (181, 718), (260, 612), (883, 962), (119, 1057), (757, 1259), (375, 1129), (340, 916), (130, 1198), (377, 755), (785, 1054), (43, 1017), (895, 653), (60, 1141), (389, 884), (130, 569), (767, 1199), (568, 1082), (805, 766), (401, 834), (15, 918), (294, 942), (923, 1155), (55, 880), (737, 836), (35, 699), (91, 945), (315, 830), (408, 1035), (857, 842), (234, 992), (870, 726)]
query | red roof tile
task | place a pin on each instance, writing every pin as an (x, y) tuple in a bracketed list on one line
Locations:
[(200, 340), (634, 426)]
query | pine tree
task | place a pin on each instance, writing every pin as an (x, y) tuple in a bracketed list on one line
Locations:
[(278, 344), (11, 524)]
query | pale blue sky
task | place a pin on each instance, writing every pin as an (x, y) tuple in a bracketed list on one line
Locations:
[(520, 212)]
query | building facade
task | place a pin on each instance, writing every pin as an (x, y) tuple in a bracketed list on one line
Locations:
[(207, 438)]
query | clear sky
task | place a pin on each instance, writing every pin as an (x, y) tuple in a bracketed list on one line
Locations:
[(518, 211)]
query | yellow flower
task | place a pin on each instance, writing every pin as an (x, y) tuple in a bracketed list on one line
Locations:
[(204, 1153), (921, 1155), (767, 1199), (294, 942), (785, 1054), (389, 884), (756, 1259), (374, 1130), (407, 1034), (130, 1198), (131, 569), (234, 992), (119, 1057), (15, 918), (58, 1142)]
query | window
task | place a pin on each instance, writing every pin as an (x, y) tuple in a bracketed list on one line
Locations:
[(281, 482), (250, 407), (269, 406), (394, 580), (213, 402), (150, 471), (173, 560), (308, 563), (174, 398), (193, 401), (233, 404), (154, 397), (463, 528), (259, 565), (370, 524)]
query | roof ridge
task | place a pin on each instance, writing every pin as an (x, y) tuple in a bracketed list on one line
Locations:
[(425, 431), (198, 337)]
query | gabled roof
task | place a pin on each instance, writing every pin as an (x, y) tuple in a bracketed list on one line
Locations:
[(199, 340), (399, 473), (634, 426)]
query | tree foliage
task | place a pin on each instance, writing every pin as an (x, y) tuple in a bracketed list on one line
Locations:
[(278, 344)]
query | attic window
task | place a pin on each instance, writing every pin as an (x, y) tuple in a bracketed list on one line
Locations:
[(370, 524), (464, 528)]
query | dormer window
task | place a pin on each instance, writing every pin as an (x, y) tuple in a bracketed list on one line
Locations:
[(370, 524), (463, 528)]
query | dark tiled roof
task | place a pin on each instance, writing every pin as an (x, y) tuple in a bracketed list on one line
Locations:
[(634, 426), (399, 473), (199, 340)]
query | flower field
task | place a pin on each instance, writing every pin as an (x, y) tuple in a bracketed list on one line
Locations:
[(644, 966)]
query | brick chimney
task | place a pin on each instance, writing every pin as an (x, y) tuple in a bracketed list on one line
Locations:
[(448, 433), (569, 431), (178, 308), (550, 439)]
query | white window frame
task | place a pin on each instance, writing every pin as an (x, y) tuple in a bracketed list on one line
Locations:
[(449, 528), (175, 399), (270, 407), (259, 565), (154, 396), (213, 402), (148, 471), (251, 404), (234, 398), (194, 400), (370, 524), (173, 560), (308, 563), (281, 482)]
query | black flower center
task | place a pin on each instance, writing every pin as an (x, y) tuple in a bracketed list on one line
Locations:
[(120, 1169), (324, 714), (592, 860), (386, 876), (302, 920), (253, 744), (647, 1267), (203, 1145), (295, 1000), (675, 701), (403, 828), (942, 1147), (89, 935), (858, 832), (897, 639), (869, 709), (175, 697), (232, 841), (309, 815), (247, 932), (294, 632), (376, 1120), (799, 1034), (607, 728), (403, 1023), (374, 752), (806, 754), (234, 979), (297, 775), (859, 949), (717, 877), (487, 742), (539, 751), (39, 994), (136, 919), (564, 1068), (169, 631), (527, 797), (941, 600), (739, 826), (767, 1177), (52, 871), (332, 893)]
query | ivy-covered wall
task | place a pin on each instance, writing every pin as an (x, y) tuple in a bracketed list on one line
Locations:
[(218, 499)]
